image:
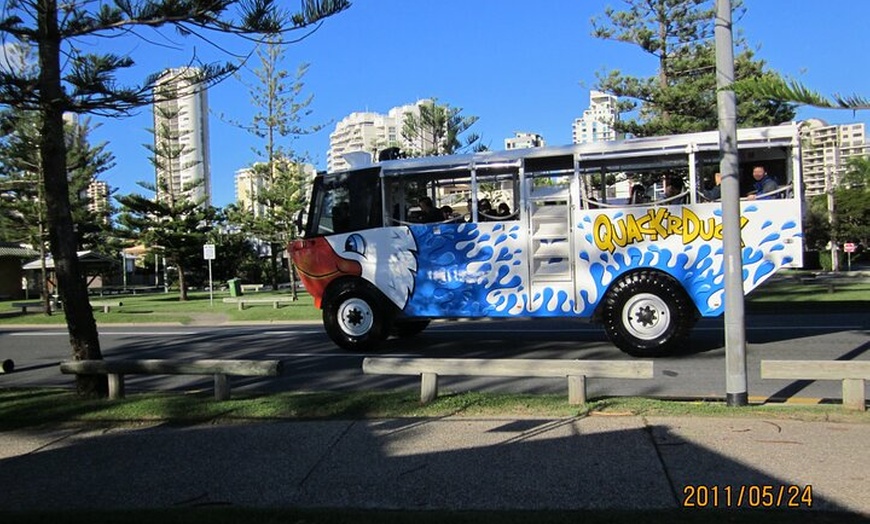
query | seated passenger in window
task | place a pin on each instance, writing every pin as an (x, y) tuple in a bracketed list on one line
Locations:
[(503, 211), (673, 187), (429, 213), (715, 192), (764, 185), (637, 195), (484, 210)]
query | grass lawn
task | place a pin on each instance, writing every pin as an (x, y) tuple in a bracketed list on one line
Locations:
[(23, 408), (167, 308), (845, 289)]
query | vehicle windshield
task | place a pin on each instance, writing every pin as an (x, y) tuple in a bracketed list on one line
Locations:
[(345, 202)]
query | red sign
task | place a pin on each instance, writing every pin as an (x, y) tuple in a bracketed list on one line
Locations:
[(849, 247)]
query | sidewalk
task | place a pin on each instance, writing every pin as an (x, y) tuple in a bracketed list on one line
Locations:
[(622, 462)]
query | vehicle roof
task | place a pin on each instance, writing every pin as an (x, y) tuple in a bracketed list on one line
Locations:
[(646, 147)]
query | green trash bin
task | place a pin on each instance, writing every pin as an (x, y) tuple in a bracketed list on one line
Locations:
[(235, 285)]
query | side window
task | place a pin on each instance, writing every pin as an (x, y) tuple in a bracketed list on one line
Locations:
[(498, 194), (428, 197)]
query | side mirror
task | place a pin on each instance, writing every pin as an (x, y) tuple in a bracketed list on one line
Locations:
[(299, 222)]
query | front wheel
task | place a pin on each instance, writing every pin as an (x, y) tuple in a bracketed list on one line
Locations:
[(354, 317), (647, 314)]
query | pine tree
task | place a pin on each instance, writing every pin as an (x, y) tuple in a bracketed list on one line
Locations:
[(23, 210), (282, 195), (681, 97), (438, 130), (172, 220), (72, 78)]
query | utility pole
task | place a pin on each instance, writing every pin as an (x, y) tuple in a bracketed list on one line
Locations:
[(736, 392)]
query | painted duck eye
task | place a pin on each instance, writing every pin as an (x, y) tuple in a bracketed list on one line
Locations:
[(355, 244)]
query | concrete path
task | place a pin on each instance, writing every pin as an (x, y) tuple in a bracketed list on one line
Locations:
[(626, 462)]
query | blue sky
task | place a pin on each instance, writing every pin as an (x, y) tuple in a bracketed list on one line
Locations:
[(518, 66)]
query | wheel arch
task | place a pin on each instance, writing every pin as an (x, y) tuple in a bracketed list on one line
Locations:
[(678, 284), (353, 281)]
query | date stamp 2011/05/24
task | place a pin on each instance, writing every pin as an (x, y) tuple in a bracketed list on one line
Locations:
[(747, 496)]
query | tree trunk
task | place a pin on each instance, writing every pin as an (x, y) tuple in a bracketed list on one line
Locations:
[(182, 286), (293, 293), (273, 258), (81, 325)]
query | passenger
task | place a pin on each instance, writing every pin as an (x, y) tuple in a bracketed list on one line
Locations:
[(715, 192), (637, 195), (448, 214), (674, 187), (484, 210), (428, 211), (503, 211), (764, 184)]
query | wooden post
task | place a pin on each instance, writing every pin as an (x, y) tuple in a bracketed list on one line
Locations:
[(576, 389), (221, 387), (428, 387), (116, 386), (853, 394)]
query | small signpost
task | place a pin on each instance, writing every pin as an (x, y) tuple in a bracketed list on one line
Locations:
[(849, 248), (208, 253)]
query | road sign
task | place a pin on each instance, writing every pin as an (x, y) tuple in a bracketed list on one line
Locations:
[(849, 247), (208, 252)]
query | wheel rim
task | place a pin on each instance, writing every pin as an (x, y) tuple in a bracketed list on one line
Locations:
[(646, 316), (355, 317)]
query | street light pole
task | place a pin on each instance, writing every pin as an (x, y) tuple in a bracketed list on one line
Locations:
[(736, 392)]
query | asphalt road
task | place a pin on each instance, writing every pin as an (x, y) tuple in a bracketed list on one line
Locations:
[(313, 363)]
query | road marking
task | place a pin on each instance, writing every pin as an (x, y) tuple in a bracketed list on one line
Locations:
[(301, 332), (598, 328), (114, 333), (339, 355)]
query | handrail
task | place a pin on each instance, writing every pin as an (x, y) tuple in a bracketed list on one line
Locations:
[(782, 189)]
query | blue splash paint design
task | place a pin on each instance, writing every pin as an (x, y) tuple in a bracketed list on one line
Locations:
[(764, 269), (468, 270), (461, 271), (770, 238)]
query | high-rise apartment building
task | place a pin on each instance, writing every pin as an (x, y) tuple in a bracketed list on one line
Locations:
[(181, 137), (826, 150), (249, 185), (596, 124), (98, 197), (368, 132), (524, 141)]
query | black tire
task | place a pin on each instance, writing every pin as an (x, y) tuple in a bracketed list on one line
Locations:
[(355, 316), (406, 328), (647, 314)]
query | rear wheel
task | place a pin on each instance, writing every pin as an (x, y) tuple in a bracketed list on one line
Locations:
[(647, 314), (355, 317)]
